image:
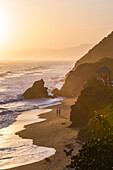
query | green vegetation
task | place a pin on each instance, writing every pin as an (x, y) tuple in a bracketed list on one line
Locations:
[(97, 154), (107, 113)]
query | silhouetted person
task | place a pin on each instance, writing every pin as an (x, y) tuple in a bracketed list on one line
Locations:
[(57, 112)]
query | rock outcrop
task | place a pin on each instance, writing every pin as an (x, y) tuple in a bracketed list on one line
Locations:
[(36, 91), (93, 98)]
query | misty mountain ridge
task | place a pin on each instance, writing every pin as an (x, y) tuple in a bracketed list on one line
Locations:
[(71, 53)]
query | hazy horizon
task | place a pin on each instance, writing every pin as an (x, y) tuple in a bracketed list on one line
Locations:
[(53, 24), (70, 53)]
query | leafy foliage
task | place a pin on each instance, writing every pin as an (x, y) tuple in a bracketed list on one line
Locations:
[(97, 154), (107, 113)]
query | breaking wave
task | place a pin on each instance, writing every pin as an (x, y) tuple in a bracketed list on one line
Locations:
[(5, 73)]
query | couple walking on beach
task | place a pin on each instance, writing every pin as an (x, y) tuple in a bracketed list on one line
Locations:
[(58, 112)]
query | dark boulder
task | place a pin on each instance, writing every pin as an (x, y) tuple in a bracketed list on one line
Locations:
[(36, 91)]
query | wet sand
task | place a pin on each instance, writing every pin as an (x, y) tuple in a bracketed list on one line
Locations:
[(53, 133)]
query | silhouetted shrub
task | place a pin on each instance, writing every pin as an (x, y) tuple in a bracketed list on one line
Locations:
[(97, 154)]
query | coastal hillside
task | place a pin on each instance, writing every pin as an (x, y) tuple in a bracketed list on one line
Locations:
[(104, 49), (93, 112), (77, 78), (86, 67)]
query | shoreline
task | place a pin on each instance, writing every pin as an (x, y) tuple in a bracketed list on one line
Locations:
[(55, 133), (21, 151)]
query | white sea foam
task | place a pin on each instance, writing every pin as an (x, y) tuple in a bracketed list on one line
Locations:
[(20, 76)]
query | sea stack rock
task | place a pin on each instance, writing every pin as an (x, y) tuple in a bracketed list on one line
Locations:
[(36, 91)]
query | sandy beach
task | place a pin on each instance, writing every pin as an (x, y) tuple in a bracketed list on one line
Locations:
[(53, 133)]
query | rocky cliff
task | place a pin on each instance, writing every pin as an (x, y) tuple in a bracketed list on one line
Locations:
[(93, 98), (77, 78)]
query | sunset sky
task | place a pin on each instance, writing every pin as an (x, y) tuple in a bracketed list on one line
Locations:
[(53, 23)]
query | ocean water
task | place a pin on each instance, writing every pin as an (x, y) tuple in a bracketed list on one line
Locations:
[(15, 78)]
